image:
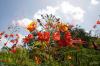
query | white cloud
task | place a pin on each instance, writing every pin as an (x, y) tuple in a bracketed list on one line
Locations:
[(94, 2), (74, 12), (64, 9), (48, 10), (24, 22)]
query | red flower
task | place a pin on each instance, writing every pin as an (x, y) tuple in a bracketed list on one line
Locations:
[(12, 41), (0, 36), (12, 35), (13, 50), (40, 35), (62, 43), (66, 41), (17, 35), (67, 38), (56, 36), (30, 36), (16, 40), (5, 44), (98, 22), (46, 36), (26, 40), (6, 35)]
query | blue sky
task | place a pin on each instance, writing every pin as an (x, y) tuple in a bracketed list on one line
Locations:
[(19, 9), (82, 12)]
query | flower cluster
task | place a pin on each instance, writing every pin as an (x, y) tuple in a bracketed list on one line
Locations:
[(53, 30), (43, 36), (11, 38), (49, 43), (28, 38)]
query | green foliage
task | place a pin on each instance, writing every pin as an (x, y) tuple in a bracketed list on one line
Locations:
[(20, 58), (65, 56), (80, 33), (98, 41)]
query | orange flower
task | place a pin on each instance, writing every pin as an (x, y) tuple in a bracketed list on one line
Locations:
[(1, 33), (69, 57), (63, 28), (31, 27), (3, 60), (37, 60), (56, 36)]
